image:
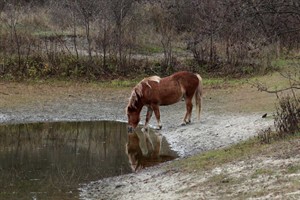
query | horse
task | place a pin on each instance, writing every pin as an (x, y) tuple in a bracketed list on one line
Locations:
[(154, 91)]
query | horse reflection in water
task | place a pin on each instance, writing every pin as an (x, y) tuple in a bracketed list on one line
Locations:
[(146, 150)]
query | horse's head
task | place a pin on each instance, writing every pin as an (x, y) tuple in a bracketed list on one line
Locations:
[(133, 116), (133, 109), (134, 152)]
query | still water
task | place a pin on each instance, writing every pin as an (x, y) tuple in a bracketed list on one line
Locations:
[(51, 160)]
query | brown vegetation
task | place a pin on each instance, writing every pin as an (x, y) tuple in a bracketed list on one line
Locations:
[(101, 39), (287, 116)]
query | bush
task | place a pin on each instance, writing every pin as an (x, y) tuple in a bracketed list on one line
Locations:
[(287, 118), (266, 136)]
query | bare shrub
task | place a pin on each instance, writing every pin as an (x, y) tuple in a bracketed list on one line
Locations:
[(287, 115), (265, 136), (287, 119)]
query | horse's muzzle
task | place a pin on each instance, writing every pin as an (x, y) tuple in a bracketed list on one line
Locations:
[(130, 129)]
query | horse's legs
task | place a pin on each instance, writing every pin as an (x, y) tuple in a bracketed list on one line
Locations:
[(189, 108), (157, 115), (148, 117)]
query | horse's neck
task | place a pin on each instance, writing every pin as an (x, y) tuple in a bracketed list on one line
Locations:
[(139, 105)]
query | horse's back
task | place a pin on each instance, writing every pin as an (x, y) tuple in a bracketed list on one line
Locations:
[(170, 89), (189, 81), (165, 92)]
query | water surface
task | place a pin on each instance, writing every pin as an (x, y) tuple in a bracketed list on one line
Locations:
[(51, 160)]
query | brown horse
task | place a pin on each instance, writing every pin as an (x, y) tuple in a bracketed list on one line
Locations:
[(155, 91)]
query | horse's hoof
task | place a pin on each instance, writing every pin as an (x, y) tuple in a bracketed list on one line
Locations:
[(144, 130), (185, 122)]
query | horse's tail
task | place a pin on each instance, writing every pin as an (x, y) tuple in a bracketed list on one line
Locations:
[(198, 96)]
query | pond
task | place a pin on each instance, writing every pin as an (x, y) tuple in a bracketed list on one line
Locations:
[(51, 160)]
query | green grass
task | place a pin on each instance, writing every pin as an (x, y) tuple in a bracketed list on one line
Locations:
[(222, 82), (211, 159), (242, 151), (282, 63), (105, 84), (274, 81), (121, 83), (293, 169)]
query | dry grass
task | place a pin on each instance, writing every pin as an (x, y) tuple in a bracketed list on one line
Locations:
[(247, 170), (14, 94)]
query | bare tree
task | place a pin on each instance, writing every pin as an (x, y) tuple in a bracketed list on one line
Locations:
[(292, 75), (279, 19), (19, 45), (206, 30), (164, 26), (88, 10), (72, 10), (287, 116), (105, 29), (120, 10)]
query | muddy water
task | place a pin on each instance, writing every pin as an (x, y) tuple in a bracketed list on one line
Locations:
[(51, 160)]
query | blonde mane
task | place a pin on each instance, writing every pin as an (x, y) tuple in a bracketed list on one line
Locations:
[(137, 90)]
